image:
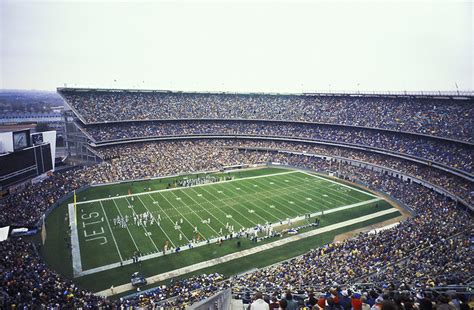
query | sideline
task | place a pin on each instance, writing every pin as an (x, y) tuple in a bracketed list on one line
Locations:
[(75, 250), (219, 260)]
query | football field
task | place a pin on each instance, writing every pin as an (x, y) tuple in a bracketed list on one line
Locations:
[(109, 232)]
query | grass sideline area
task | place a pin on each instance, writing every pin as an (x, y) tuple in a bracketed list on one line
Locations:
[(299, 187)]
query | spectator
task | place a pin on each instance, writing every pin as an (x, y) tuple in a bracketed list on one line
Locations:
[(428, 249), (290, 303), (274, 303), (283, 304), (259, 303)]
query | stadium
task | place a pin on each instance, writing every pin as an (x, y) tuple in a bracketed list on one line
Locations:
[(217, 191), (254, 194)]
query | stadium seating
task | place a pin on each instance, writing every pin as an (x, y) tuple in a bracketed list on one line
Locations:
[(445, 118), (437, 220), (455, 155), (139, 160), (431, 248)]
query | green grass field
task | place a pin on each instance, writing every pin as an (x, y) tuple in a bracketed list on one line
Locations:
[(102, 247)]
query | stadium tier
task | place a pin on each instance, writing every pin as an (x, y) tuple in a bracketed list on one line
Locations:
[(454, 155), (433, 115), (153, 149)]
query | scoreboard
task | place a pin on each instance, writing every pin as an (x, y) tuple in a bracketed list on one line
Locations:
[(24, 164), (29, 156)]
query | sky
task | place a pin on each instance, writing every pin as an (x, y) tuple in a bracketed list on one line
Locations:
[(255, 46)]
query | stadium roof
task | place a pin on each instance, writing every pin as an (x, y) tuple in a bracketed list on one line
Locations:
[(416, 94)]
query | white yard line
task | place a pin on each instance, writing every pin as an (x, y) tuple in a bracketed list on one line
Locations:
[(258, 192), (320, 213), (295, 191), (169, 219), (358, 204), (252, 194), (256, 206), (231, 199), (111, 232), (199, 204), (167, 216), (281, 193), (193, 226), (302, 191), (75, 249), (147, 233), (209, 263), (126, 226), (271, 195), (78, 268), (217, 208), (229, 205), (333, 198), (341, 184), (336, 194), (154, 255), (178, 188), (242, 205)]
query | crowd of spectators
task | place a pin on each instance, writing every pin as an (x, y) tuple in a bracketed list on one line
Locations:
[(450, 182), (437, 117), (429, 249), (456, 155), (436, 220), (180, 293), (27, 283), (24, 207), (140, 160), (360, 297), (129, 162), (147, 151)]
